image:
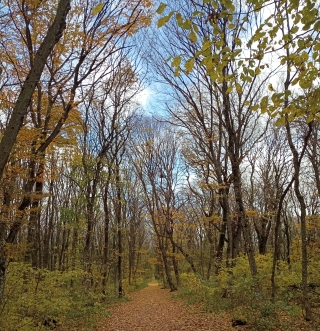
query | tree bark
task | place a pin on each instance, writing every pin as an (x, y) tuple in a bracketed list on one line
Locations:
[(105, 258), (303, 215)]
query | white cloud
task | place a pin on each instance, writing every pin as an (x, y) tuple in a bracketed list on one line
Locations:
[(143, 97)]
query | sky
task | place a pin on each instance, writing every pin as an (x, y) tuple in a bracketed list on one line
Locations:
[(144, 97)]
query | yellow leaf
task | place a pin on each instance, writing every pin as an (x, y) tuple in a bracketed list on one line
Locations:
[(239, 88), (189, 65), (193, 36), (97, 9), (270, 88), (229, 90), (163, 20), (161, 8)]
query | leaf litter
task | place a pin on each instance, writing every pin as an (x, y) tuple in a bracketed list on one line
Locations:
[(155, 309)]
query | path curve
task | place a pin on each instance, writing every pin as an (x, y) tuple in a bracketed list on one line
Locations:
[(154, 309)]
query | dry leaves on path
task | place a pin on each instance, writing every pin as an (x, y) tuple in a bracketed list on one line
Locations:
[(154, 309)]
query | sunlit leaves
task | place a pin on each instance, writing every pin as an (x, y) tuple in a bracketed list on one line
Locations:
[(161, 8), (176, 61), (238, 88), (189, 65), (163, 20), (193, 36), (97, 9), (290, 27)]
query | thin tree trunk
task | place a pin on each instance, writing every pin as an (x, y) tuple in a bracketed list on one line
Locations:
[(118, 213), (166, 266), (233, 153), (105, 258), (175, 266), (3, 261), (303, 214), (33, 238)]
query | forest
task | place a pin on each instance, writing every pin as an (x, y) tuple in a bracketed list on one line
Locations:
[(176, 141)]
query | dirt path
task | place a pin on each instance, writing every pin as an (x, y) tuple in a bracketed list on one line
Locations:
[(154, 309)]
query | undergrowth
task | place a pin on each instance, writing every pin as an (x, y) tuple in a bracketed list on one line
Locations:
[(39, 300), (247, 298)]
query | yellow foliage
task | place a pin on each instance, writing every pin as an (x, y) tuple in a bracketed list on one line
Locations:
[(154, 260), (252, 213)]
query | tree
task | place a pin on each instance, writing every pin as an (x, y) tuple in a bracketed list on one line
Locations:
[(23, 101), (19, 111), (154, 158), (78, 61), (209, 67)]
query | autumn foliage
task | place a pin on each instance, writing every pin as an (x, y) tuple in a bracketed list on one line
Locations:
[(215, 195)]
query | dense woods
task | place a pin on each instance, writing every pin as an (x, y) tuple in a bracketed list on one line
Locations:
[(214, 190)]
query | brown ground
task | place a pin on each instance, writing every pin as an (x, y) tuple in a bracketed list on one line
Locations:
[(154, 309)]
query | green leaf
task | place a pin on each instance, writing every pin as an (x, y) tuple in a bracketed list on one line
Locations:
[(310, 118), (238, 41), (229, 89), (179, 19), (254, 108), (176, 61), (161, 8), (193, 36), (189, 65), (163, 20), (280, 121), (295, 81), (186, 25), (206, 44), (195, 28), (270, 88), (239, 88), (97, 9), (208, 62), (305, 83), (316, 26), (264, 104)]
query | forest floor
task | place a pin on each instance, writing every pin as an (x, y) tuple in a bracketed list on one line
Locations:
[(156, 309)]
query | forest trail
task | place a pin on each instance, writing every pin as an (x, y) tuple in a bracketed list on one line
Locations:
[(154, 309)]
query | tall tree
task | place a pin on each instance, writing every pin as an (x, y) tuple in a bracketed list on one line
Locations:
[(39, 61), (22, 103)]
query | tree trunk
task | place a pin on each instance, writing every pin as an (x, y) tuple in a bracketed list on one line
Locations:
[(175, 266), (3, 261), (233, 149), (33, 238), (118, 214), (167, 266), (20, 109), (48, 231), (222, 239), (303, 214), (105, 258)]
